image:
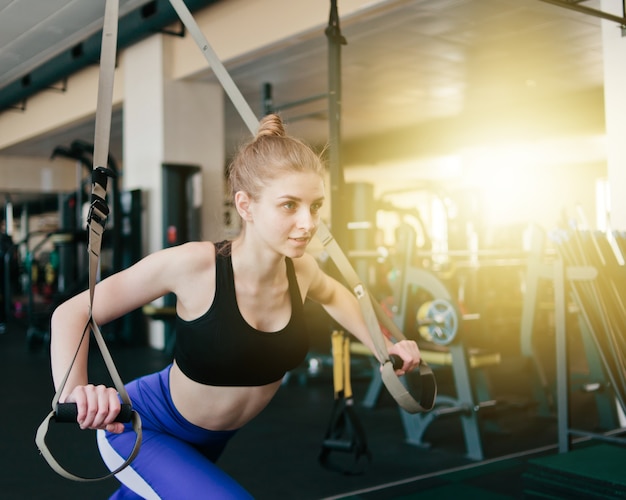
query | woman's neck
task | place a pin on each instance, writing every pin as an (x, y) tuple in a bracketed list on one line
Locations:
[(255, 261)]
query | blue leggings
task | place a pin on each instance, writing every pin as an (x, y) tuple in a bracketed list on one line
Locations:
[(177, 458)]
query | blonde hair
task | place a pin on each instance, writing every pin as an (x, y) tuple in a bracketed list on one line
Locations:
[(270, 154)]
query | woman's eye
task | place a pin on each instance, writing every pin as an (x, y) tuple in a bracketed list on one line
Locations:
[(316, 207), (290, 205)]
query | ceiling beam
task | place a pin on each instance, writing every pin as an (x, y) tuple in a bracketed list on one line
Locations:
[(577, 6), (138, 24)]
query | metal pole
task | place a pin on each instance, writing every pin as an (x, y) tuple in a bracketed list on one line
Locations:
[(562, 365), (337, 191)]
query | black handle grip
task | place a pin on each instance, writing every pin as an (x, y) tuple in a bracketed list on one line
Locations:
[(67, 413), (396, 361)]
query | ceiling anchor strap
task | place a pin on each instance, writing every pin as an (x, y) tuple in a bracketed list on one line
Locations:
[(403, 395), (98, 213)]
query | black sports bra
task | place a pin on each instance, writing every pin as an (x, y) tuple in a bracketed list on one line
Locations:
[(220, 348)]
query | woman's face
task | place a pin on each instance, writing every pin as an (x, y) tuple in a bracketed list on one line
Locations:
[(286, 214)]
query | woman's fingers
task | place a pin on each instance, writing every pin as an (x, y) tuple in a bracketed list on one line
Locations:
[(408, 351), (115, 428), (97, 406)]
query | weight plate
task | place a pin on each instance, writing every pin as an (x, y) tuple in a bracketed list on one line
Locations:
[(438, 321)]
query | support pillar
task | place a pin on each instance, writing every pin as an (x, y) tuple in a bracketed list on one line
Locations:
[(614, 52), (170, 121)]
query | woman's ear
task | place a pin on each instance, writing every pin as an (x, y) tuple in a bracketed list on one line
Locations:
[(242, 204)]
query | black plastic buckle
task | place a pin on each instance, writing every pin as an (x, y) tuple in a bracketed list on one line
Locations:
[(100, 176), (98, 206), (99, 210)]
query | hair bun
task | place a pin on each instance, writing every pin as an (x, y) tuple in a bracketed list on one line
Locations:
[(271, 125)]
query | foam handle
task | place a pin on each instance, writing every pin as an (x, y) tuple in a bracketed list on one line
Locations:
[(67, 413)]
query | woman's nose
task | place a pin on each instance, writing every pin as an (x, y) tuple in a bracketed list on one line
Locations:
[(307, 220)]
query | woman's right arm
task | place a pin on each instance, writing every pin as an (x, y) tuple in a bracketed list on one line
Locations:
[(140, 284)]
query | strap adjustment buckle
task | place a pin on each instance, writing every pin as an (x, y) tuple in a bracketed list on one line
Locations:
[(99, 211), (100, 176)]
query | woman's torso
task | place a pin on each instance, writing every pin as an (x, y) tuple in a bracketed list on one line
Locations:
[(229, 397)]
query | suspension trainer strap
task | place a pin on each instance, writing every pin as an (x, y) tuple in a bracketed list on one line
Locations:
[(98, 213), (344, 432), (373, 314), (396, 387), (238, 100)]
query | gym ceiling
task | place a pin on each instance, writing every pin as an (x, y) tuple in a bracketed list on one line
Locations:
[(411, 68)]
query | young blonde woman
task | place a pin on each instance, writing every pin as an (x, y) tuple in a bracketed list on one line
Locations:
[(239, 327)]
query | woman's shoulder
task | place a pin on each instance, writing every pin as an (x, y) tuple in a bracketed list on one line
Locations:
[(188, 257), (197, 252), (199, 247), (189, 272)]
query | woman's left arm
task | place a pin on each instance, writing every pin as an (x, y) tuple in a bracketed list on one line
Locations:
[(343, 307)]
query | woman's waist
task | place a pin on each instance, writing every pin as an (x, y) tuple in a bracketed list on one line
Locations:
[(218, 407)]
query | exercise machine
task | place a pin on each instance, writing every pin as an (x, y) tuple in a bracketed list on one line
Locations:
[(439, 322)]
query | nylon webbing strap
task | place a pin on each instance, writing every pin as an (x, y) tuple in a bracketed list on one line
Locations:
[(342, 383), (395, 386), (240, 103), (344, 433), (372, 313), (96, 223)]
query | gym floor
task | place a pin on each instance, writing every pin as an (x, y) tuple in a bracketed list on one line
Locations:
[(276, 455)]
